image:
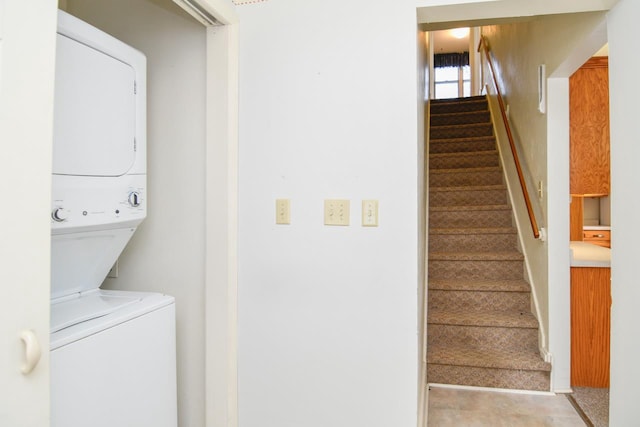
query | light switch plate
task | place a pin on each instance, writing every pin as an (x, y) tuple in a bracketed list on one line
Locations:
[(283, 211), (369, 213), (336, 212)]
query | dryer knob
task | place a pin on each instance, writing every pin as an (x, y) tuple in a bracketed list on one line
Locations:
[(59, 214), (134, 199)]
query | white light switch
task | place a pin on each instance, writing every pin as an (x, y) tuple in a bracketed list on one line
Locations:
[(369, 213), (283, 211), (336, 212)]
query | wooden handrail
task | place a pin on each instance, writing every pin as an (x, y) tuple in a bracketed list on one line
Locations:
[(532, 218)]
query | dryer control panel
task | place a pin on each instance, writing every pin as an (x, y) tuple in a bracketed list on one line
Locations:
[(95, 203)]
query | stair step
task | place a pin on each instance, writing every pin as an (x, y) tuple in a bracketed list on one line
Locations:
[(479, 301), (461, 131), (477, 256), (483, 338), (458, 105), (475, 269), (514, 379), (471, 231), (460, 100), (479, 285), (483, 143), (464, 160), (495, 318), (497, 358), (510, 370), (456, 118), (473, 209), (470, 216), (468, 195), (488, 175), (473, 239)]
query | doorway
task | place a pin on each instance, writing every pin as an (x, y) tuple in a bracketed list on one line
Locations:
[(192, 141), (590, 238)]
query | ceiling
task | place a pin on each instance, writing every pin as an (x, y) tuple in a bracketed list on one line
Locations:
[(445, 42), (475, 12)]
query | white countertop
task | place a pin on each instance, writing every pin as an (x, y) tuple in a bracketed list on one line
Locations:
[(585, 254), (597, 227)]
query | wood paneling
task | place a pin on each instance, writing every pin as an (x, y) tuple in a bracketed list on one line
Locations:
[(589, 128), (590, 326), (576, 219)]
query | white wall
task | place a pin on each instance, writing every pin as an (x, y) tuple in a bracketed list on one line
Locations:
[(167, 252), (328, 326), (625, 152)]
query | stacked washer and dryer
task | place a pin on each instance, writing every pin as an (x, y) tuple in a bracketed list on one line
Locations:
[(113, 358)]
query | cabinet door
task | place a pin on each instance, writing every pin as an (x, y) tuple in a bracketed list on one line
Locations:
[(590, 326), (27, 55), (589, 128)]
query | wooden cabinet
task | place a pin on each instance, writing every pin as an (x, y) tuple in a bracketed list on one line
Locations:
[(589, 128), (597, 237), (590, 326)]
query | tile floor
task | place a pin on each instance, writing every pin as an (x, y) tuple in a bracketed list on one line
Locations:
[(471, 408)]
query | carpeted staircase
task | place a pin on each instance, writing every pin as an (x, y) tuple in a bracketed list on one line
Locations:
[(481, 331)]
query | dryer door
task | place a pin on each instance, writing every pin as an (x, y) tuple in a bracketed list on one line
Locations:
[(94, 124)]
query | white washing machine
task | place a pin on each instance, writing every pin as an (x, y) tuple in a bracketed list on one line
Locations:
[(113, 357), (117, 369)]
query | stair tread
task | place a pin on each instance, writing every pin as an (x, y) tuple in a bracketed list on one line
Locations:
[(462, 154), (462, 125), (475, 230), (479, 285), (459, 113), (476, 256), (501, 319), (453, 141), (462, 208), (477, 98), (503, 358), (469, 188), (465, 170)]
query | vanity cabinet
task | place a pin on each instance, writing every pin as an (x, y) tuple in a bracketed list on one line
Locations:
[(590, 326), (589, 128)]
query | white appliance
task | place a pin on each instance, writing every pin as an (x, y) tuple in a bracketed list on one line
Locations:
[(113, 360)]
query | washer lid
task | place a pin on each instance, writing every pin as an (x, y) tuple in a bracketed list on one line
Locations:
[(94, 124), (82, 307)]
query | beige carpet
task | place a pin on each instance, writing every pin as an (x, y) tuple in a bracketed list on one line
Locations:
[(481, 331), (594, 404)]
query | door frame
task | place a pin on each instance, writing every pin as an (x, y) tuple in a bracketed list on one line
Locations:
[(558, 205), (30, 156), (221, 221)]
